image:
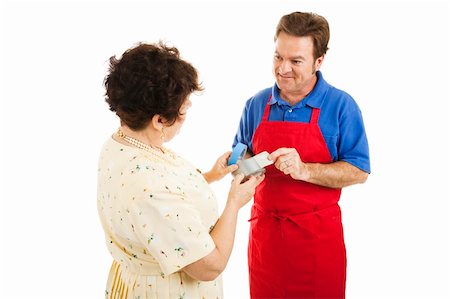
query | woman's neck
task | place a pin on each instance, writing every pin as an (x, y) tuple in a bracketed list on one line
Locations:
[(146, 136)]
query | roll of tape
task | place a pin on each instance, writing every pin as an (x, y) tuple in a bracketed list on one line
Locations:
[(254, 165), (238, 153), (248, 167)]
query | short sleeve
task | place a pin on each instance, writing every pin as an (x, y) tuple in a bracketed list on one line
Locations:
[(165, 220), (353, 146), (245, 130)]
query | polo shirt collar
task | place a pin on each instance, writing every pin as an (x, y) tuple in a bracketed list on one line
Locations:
[(313, 99)]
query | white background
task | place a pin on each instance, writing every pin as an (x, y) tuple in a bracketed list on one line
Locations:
[(392, 57)]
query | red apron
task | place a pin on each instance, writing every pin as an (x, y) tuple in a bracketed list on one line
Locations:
[(296, 246)]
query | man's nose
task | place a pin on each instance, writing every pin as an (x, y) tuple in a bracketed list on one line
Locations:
[(284, 67)]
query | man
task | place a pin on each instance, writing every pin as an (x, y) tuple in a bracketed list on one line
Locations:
[(315, 135)]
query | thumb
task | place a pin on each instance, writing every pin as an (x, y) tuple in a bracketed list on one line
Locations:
[(238, 179), (232, 168)]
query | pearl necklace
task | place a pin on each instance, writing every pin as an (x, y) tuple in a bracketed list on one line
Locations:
[(140, 144), (160, 152)]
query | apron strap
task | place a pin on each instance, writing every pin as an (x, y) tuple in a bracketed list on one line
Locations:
[(266, 110), (314, 116)]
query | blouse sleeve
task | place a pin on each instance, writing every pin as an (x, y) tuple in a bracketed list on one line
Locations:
[(168, 224)]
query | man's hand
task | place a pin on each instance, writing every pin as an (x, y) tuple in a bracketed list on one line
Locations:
[(337, 174), (288, 161)]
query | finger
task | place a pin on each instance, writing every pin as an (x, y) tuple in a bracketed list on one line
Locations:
[(251, 178), (238, 179), (290, 169), (288, 158), (250, 181), (226, 155), (286, 170), (232, 168), (285, 165), (259, 179), (224, 158), (254, 181), (281, 163), (278, 164), (280, 152)]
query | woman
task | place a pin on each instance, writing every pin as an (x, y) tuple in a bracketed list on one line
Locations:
[(158, 212)]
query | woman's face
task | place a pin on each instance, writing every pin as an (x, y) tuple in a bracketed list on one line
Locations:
[(171, 131)]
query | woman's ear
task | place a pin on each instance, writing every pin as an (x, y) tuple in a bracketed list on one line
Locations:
[(158, 122)]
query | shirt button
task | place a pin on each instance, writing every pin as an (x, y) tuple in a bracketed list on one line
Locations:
[(290, 110)]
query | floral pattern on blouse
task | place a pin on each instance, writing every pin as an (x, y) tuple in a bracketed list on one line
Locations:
[(157, 211)]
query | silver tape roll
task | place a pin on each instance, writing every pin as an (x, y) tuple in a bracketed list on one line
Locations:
[(254, 165), (248, 167)]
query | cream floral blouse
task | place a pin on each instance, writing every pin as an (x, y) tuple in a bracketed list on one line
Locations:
[(157, 211)]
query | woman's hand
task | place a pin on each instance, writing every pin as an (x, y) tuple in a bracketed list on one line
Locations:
[(209, 267), (241, 192), (220, 168)]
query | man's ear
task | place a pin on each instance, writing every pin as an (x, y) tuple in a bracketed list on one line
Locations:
[(318, 62)]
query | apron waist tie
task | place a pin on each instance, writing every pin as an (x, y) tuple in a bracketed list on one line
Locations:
[(295, 218)]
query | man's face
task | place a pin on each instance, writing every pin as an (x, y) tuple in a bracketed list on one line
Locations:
[(294, 66)]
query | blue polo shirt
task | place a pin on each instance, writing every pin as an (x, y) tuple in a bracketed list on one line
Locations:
[(340, 120)]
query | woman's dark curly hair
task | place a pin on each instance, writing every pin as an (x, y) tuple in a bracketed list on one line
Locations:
[(149, 79)]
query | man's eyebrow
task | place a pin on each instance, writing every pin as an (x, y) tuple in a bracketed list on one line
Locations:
[(299, 57)]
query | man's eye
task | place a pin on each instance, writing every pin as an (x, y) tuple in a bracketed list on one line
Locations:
[(297, 61)]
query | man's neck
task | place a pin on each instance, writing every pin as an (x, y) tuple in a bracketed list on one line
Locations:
[(292, 98)]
